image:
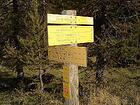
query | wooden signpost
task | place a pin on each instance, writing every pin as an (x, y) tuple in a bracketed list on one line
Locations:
[(69, 30)]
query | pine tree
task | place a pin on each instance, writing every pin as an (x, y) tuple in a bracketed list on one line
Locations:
[(34, 45)]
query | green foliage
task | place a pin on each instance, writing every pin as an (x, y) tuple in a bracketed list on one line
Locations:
[(5, 24), (114, 34), (34, 45)]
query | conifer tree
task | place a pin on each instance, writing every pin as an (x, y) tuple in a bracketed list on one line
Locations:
[(34, 45)]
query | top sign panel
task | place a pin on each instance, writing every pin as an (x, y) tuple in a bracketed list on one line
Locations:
[(69, 19)]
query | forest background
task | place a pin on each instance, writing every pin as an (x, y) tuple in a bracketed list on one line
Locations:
[(27, 77)]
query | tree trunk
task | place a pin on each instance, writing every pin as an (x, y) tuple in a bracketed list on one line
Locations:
[(15, 42), (41, 81), (20, 76), (15, 26), (100, 67)]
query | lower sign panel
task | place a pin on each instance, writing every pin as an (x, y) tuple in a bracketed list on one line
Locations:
[(68, 55)]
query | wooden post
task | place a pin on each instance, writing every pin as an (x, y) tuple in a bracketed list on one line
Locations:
[(73, 80)]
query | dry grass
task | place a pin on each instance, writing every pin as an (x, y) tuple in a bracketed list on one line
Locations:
[(105, 98), (122, 87)]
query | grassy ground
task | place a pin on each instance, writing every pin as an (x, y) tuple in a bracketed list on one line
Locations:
[(120, 87)]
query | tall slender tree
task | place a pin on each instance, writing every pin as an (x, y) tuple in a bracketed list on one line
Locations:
[(35, 43), (15, 40)]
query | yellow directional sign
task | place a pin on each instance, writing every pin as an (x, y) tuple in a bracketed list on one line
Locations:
[(68, 55), (65, 74), (63, 34), (66, 90), (66, 82), (69, 19)]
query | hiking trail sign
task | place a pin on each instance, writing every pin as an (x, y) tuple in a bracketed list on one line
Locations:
[(69, 19), (68, 54), (68, 32), (64, 33)]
